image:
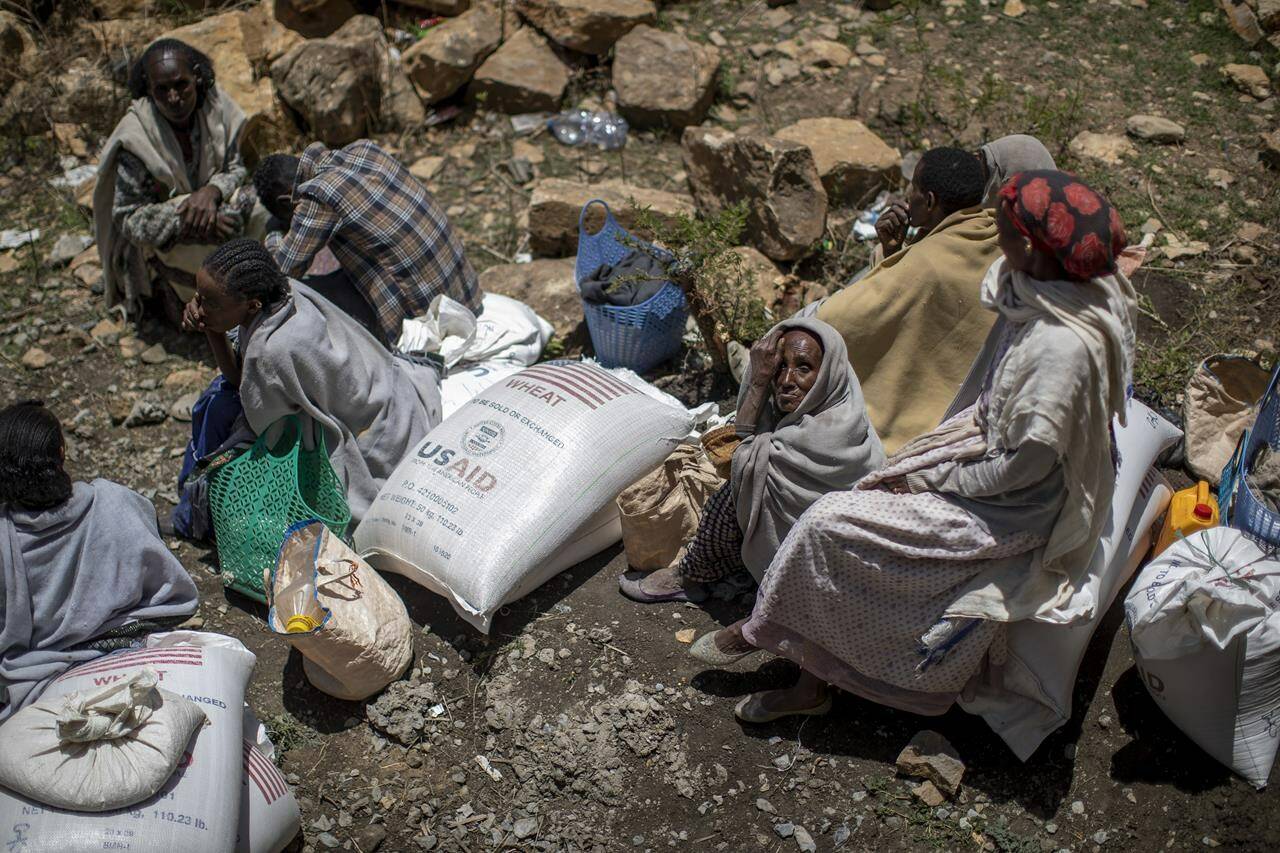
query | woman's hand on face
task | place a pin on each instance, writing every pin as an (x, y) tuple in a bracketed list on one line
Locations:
[(192, 317), (892, 226), (199, 212), (766, 356)]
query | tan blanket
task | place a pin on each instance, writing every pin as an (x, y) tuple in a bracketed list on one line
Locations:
[(914, 324)]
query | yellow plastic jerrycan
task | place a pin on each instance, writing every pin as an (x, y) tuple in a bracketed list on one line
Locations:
[(1194, 508)]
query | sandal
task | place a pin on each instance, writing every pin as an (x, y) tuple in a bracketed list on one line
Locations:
[(751, 709), (706, 650), (630, 586)]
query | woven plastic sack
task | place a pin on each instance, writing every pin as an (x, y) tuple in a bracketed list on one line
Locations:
[(1205, 631), (101, 749), (364, 640), (256, 496), (660, 511), (1220, 403), (197, 809), (486, 506)]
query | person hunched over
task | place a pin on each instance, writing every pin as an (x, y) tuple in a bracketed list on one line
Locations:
[(297, 353)]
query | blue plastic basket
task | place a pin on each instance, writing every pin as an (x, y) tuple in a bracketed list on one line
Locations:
[(1240, 506), (639, 337)]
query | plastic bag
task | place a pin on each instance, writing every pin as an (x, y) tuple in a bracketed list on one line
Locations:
[(1206, 637), (363, 640), (98, 750)]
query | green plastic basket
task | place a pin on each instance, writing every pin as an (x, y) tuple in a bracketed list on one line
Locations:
[(256, 496)]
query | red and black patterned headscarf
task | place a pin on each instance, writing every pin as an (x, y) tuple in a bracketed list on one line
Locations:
[(1063, 217)]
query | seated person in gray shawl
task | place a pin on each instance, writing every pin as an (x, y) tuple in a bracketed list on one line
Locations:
[(168, 173), (299, 354), (82, 568), (805, 433)]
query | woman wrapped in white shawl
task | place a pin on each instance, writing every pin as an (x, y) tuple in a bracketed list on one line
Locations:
[(899, 590)]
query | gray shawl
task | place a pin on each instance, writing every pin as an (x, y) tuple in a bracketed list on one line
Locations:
[(308, 357), (1008, 156), (791, 460), (73, 572), (144, 133)]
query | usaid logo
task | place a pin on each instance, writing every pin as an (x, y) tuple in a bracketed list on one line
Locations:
[(483, 438)]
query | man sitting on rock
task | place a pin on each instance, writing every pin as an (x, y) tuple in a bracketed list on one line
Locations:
[(395, 244), (167, 182), (914, 323)]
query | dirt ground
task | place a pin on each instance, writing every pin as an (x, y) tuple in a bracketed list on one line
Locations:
[(602, 733)]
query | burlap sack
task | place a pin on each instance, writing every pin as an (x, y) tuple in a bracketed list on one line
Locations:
[(660, 511), (1220, 403)]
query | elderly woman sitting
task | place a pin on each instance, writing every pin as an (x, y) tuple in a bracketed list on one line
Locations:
[(164, 197), (900, 589), (299, 354), (804, 432)]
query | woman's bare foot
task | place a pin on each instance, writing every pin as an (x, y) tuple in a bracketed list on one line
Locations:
[(808, 692), (663, 581), (730, 640)]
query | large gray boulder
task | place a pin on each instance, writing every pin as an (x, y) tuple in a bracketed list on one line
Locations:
[(777, 178), (443, 60), (334, 85), (852, 161), (587, 26), (663, 79), (523, 76), (556, 204)]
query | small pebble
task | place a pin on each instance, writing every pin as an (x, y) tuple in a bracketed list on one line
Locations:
[(786, 829), (1077, 807)]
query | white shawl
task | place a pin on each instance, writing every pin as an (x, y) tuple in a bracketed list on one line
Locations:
[(147, 135), (791, 460), (1063, 379)]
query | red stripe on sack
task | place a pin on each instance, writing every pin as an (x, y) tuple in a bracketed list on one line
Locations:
[(270, 773), (605, 376), (571, 379), (116, 661), (554, 381), (255, 772), (145, 654), (585, 380), (114, 666)]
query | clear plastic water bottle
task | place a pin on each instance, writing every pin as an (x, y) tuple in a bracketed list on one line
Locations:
[(295, 605), (584, 127)]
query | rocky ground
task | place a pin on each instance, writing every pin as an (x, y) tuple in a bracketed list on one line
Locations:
[(580, 723)]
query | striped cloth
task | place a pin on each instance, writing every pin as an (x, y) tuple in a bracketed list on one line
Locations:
[(585, 383), (384, 227)]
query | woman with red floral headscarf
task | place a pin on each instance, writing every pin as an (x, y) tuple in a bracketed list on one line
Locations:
[(900, 590)]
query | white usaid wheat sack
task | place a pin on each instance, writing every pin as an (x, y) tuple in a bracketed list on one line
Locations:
[(486, 506), (197, 810), (1204, 620), (269, 814)]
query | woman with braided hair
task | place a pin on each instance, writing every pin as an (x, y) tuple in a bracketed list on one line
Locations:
[(168, 178), (299, 354), (900, 589)]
